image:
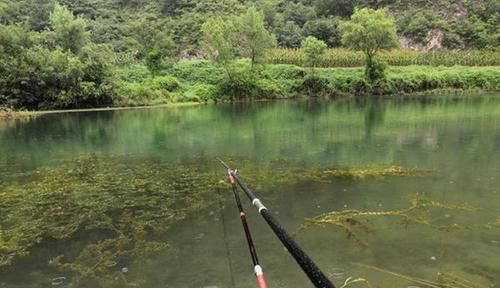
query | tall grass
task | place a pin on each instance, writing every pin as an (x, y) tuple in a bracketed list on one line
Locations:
[(338, 57)]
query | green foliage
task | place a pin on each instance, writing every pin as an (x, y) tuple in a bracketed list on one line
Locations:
[(53, 69), (342, 8), (325, 29), (69, 31), (370, 31), (298, 13), (254, 39), (201, 92), (218, 40), (288, 34), (416, 24), (195, 72), (100, 53), (314, 51), (154, 43)]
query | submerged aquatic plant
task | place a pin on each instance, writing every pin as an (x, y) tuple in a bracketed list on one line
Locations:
[(118, 204), (115, 209), (355, 221), (443, 279)]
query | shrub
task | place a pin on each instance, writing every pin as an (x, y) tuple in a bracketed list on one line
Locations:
[(315, 86), (168, 83), (201, 92), (197, 72)]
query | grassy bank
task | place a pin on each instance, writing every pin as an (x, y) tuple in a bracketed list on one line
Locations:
[(188, 82), (203, 81)]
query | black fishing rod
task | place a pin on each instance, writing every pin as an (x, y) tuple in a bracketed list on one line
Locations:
[(259, 273), (312, 271)]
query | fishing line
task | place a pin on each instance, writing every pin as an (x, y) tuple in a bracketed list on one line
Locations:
[(226, 244)]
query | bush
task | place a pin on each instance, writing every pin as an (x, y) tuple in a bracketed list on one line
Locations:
[(201, 92), (375, 70), (168, 83), (315, 86), (197, 72), (139, 94)]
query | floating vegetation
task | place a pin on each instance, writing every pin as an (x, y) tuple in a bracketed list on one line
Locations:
[(119, 204), (353, 222), (116, 208), (443, 279)]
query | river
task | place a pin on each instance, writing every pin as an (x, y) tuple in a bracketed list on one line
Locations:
[(455, 140)]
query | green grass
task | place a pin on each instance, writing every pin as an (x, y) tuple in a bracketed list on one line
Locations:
[(202, 81)]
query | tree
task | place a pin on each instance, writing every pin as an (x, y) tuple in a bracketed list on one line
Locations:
[(314, 51), (370, 31), (39, 13), (325, 29), (69, 31), (298, 13), (342, 8), (155, 44), (288, 34), (255, 40), (217, 40)]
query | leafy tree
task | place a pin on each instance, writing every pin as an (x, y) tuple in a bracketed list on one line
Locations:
[(268, 7), (254, 39), (218, 41), (154, 43), (288, 34), (38, 12), (370, 31), (314, 51), (69, 31), (298, 13), (325, 29), (342, 8)]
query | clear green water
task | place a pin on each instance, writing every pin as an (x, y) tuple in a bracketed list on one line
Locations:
[(458, 139)]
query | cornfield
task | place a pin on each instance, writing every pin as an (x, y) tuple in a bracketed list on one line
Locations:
[(338, 57)]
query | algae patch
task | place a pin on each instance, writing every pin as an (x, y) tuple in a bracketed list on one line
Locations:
[(125, 202), (116, 208), (356, 222)]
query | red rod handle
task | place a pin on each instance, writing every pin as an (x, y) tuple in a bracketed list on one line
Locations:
[(261, 280)]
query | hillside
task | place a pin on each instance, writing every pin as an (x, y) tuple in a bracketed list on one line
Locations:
[(422, 24)]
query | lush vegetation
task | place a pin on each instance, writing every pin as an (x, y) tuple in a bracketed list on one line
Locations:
[(370, 31), (79, 53), (202, 81), (339, 57)]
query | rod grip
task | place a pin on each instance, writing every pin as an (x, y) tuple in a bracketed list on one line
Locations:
[(312, 271), (261, 281)]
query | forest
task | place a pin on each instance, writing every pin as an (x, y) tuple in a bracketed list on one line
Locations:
[(98, 53)]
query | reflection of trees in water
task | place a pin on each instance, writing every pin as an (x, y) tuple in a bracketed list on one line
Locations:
[(374, 117)]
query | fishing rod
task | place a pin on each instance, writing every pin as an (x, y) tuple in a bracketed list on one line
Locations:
[(312, 271), (259, 273)]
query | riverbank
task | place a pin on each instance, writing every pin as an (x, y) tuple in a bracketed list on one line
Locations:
[(197, 81), (203, 81), (8, 115)]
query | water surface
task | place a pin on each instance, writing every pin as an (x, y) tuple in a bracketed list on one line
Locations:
[(457, 139)]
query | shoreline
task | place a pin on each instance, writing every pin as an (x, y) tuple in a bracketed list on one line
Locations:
[(433, 93), (24, 114)]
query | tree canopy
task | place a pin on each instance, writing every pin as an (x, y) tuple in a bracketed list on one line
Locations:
[(254, 39), (369, 31)]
